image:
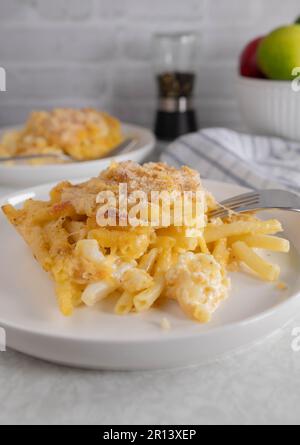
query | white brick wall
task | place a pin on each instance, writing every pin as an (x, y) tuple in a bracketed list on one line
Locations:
[(98, 52)]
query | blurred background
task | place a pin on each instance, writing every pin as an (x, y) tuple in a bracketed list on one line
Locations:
[(98, 53)]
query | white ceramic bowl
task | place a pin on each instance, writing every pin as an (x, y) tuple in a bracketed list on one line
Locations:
[(269, 107)]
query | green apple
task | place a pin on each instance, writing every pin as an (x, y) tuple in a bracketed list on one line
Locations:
[(279, 53)]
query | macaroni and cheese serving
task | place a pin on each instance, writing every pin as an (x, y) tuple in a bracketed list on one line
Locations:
[(141, 264), (84, 134)]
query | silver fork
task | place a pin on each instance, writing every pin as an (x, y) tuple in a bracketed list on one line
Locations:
[(256, 201)]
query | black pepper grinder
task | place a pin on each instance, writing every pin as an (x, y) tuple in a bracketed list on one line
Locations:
[(174, 56)]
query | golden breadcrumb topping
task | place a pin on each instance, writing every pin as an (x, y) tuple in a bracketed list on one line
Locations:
[(152, 176), (64, 124), (148, 177)]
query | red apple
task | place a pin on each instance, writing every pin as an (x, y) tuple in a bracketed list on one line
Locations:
[(248, 60)]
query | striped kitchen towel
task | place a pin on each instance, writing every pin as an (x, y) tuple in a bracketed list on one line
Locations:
[(256, 162)]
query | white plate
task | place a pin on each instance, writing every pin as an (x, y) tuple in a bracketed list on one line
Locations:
[(20, 176), (96, 338)]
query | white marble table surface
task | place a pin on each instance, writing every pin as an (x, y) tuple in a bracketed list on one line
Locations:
[(259, 385)]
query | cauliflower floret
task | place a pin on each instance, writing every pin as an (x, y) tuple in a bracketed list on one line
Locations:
[(199, 284)]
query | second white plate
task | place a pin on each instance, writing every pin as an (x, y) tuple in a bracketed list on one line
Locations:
[(22, 175)]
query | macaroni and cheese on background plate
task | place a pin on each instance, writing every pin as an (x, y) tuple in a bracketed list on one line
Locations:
[(83, 134), (25, 175), (148, 296)]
